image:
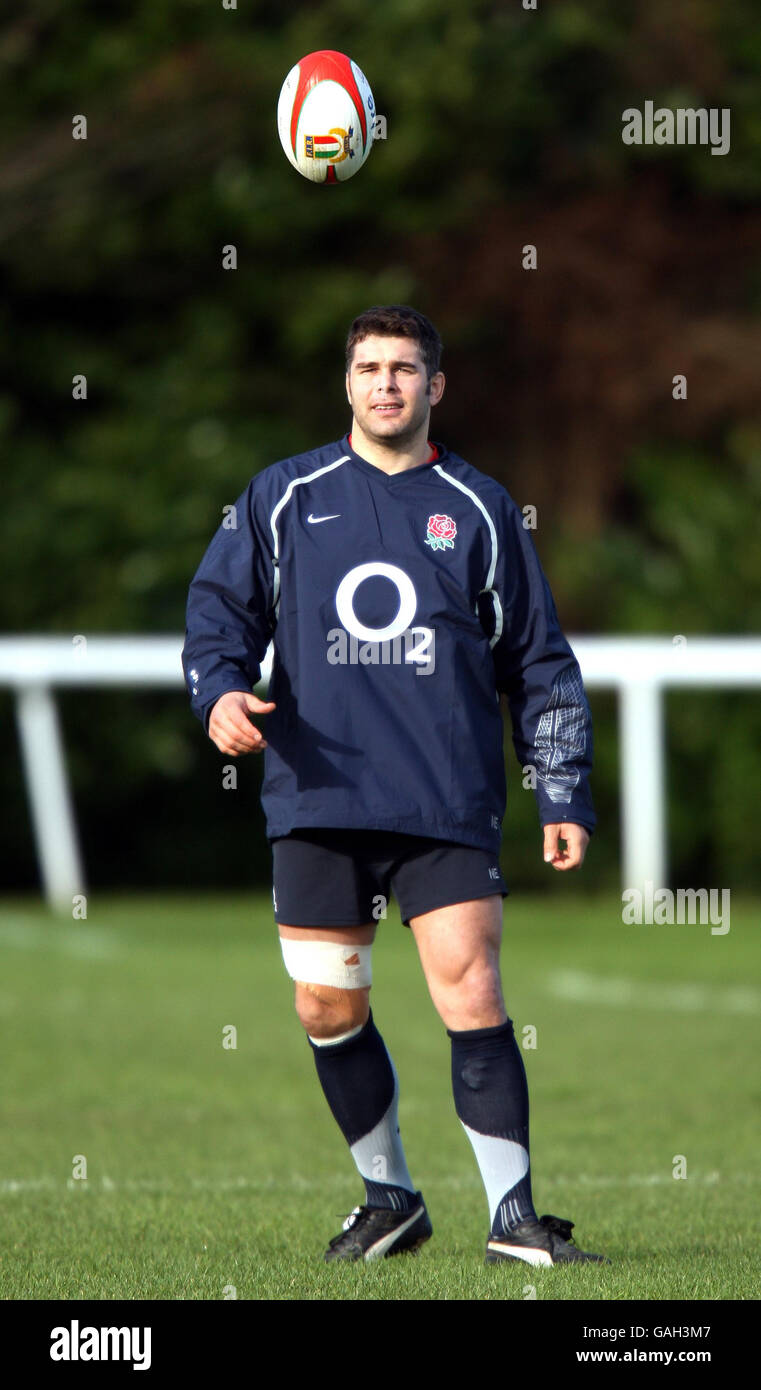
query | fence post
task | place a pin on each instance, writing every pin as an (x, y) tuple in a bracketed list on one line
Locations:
[(641, 780), (52, 812)]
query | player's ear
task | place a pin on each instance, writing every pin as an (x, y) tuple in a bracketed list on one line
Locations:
[(348, 389), (436, 387)]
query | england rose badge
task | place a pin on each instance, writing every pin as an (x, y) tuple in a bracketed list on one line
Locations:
[(441, 533)]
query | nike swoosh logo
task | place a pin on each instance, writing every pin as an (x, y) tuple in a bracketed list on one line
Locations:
[(315, 519), (378, 1250)]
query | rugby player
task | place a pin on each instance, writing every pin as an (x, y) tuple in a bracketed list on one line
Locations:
[(403, 597)]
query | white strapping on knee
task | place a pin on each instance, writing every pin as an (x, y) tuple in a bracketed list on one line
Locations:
[(339, 964)]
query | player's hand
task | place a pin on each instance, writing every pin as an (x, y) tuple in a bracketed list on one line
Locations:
[(230, 727), (576, 841)]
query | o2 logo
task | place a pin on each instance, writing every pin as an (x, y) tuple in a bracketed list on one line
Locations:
[(345, 601), (398, 643)]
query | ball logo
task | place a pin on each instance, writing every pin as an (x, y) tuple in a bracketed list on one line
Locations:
[(441, 532), (335, 146)]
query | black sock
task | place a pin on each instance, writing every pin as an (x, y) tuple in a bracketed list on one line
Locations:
[(491, 1100), (361, 1088)]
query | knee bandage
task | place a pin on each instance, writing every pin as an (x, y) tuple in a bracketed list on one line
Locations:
[(336, 963)]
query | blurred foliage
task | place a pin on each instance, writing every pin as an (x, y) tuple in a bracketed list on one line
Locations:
[(504, 128)]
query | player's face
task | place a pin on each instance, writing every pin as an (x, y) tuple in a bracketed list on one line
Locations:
[(388, 389)]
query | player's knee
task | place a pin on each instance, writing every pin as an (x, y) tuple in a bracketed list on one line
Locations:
[(332, 983), (477, 976), (470, 998), (326, 1012)]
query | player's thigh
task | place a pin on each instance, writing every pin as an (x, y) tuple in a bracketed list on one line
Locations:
[(362, 936), (460, 942), (323, 895)]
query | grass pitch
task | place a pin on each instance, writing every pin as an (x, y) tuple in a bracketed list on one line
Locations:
[(215, 1172)]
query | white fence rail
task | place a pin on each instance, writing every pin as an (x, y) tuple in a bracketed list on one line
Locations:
[(638, 668)]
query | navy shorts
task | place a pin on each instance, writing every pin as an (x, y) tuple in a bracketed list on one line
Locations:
[(344, 878)]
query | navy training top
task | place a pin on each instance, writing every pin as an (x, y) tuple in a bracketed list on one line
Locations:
[(399, 607)]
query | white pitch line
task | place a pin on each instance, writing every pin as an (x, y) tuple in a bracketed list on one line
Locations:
[(296, 1181), (618, 991), (711, 1179), (11, 1186), (80, 940)]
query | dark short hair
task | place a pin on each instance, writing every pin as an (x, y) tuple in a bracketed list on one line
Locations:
[(397, 321)]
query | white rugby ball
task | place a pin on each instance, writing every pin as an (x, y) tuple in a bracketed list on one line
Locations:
[(325, 117)]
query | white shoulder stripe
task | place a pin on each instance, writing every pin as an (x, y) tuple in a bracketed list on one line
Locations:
[(488, 586), (478, 503), (286, 497)]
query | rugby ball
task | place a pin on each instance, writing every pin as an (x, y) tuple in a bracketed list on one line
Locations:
[(325, 117)]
